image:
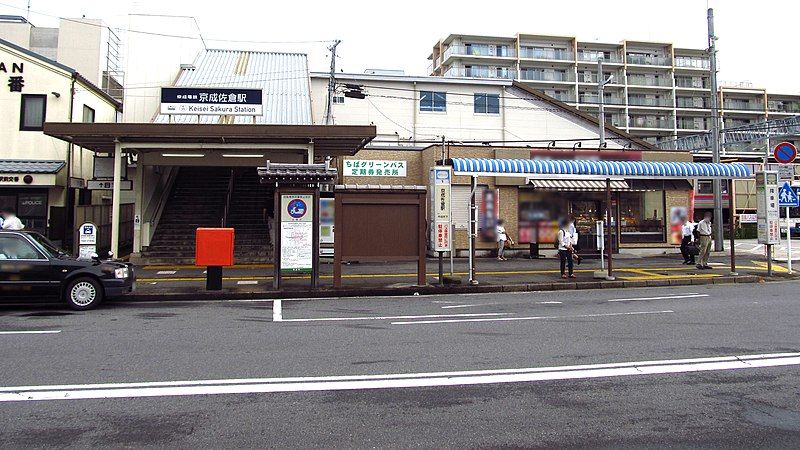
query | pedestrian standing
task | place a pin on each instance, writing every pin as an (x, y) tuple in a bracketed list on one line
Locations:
[(565, 250), (687, 237), (10, 220), (704, 238), (573, 232), (502, 239)]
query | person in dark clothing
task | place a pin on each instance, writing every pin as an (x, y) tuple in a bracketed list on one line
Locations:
[(687, 237)]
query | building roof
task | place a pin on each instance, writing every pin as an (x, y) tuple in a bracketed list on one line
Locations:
[(72, 72), (30, 166), (283, 77), (328, 140)]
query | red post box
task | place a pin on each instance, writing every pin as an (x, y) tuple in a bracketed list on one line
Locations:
[(214, 249)]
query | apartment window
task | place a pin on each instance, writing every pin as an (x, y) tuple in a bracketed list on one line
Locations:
[(432, 101), (88, 114), (487, 103), (33, 111), (338, 99)]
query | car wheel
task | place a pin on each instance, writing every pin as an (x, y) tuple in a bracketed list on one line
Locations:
[(83, 293)]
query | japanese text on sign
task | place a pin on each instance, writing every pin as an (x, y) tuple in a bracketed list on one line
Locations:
[(374, 168)]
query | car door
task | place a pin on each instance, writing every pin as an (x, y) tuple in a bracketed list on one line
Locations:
[(24, 270)]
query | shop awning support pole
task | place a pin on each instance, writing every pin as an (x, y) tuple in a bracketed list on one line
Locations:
[(472, 229), (608, 224), (115, 201), (732, 230)]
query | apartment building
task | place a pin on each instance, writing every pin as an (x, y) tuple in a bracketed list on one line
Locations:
[(657, 91), (87, 45)]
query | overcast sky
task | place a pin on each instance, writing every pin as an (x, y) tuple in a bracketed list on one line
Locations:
[(753, 45)]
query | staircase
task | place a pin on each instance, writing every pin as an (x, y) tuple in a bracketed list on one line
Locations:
[(197, 200), (246, 216)]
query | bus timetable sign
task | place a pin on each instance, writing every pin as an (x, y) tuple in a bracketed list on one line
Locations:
[(211, 101)]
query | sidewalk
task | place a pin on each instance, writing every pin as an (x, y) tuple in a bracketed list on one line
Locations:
[(517, 274)]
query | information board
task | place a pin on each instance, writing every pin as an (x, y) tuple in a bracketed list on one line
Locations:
[(441, 217), (767, 207), (297, 233)]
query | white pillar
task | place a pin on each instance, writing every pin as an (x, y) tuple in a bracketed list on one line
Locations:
[(311, 153), (115, 199), (138, 192)]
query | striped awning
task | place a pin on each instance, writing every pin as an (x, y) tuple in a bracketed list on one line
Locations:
[(575, 169), (578, 185)]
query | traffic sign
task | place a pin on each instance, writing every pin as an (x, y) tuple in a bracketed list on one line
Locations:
[(787, 197), (785, 153)]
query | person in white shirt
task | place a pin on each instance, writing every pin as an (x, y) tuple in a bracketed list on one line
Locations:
[(502, 238), (10, 220), (704, 230), (565, 249), (573, 232), (687, 237)]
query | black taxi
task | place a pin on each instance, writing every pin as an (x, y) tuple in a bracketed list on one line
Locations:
[(33, 269)]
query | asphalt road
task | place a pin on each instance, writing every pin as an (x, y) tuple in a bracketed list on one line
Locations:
[(329, 373)]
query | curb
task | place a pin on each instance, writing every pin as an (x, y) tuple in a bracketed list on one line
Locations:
[(433, 290)]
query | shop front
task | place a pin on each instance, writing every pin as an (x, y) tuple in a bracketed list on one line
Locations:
[(30, 188)]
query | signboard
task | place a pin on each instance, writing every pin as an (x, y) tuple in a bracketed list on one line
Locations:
[(87, 241), (787, 197), (326, 225), (297, 233), (211, 101), (767, 207), (786, 172), (441, 217), (748, 218), (488, 214), (677, 216), (374, 168), (785, 153), (102, 185)]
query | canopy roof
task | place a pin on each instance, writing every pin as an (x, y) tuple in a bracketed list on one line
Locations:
[(582, 169)]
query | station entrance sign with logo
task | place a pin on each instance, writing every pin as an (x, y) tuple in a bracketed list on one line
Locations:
[(211, 101), (297, 233), (87, 241)]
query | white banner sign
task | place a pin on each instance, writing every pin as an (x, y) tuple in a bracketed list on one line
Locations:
[(374, 168)]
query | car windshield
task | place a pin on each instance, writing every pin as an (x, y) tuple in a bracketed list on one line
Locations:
[(48, 246)]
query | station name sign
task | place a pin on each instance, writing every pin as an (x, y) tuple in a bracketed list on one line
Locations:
[(211, 101)]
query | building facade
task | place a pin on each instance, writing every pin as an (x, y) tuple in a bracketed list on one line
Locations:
[(658, 91), (43, 178)]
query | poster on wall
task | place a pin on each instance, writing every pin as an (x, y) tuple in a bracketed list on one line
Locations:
[(297, 233), (677, 214)]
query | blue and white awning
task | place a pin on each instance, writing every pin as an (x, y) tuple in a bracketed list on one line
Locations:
[(583, 169)]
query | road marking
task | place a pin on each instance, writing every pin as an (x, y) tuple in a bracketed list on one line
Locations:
[(443, 302), (666, 297), (428, 316), (277, 311), (247, 282), (389, 381), (166, 272), (30, 332), (510, 319), (471, 305), (550, 303)]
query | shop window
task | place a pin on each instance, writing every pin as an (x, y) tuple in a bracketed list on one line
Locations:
[(486, 103), (641, 216), (431, 101), (33, 111), (706, 187), (88, 114)]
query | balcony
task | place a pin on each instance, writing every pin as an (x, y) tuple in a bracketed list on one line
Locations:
[(645, 81), (692, 63), (546, 53), (689, 83), (594, 99), (648, 122), (489, 51), (562, 96), (594, 56), (743, 106), (683, 102), (784, 107), (692, 125), (646, 101), (481, 72), (591, 77), (535, 75), (646, 60)]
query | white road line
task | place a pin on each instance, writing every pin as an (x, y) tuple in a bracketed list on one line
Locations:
[(665, 297), (511, 319), (550, 303), (358, 382), (31, 332), (757, 247), (166, 272), (277, 311), (247, 282), (469, 306), (428, 316)]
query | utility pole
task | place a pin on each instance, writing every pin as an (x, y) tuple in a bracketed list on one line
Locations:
[(600, 85), (715, 144), (331, 83)]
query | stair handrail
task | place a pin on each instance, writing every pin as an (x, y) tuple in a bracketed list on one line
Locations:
[(228, 201)]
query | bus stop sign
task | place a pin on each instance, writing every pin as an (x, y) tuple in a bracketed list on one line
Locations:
[(785, 153)]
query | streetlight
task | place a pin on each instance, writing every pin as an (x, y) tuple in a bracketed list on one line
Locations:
[(601, 83)]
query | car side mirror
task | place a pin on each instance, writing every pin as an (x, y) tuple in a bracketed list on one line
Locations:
[(95, 257)]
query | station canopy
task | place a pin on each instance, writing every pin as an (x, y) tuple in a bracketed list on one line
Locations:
[(589, 169)]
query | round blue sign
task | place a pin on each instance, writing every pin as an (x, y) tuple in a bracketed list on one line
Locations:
[(785, 153), (297, 208)]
